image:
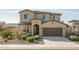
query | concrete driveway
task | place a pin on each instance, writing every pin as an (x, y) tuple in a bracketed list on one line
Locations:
[(56, 38), (59, 42)]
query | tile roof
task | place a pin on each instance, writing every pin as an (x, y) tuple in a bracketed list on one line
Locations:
[(74, 21), (40, 12)]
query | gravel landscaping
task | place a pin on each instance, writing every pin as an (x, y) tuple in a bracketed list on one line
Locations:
[(17, 41)]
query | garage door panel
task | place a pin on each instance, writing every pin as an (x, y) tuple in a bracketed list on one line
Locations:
[(52, 31)]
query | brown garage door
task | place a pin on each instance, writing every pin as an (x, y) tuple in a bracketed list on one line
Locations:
[(52, 31)]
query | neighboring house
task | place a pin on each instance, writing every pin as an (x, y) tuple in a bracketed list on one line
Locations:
[(42, 23), (74, 26)]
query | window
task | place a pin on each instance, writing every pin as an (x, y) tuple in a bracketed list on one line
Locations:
[(45, 17), (58, 17), (53, 17), (25, 16)]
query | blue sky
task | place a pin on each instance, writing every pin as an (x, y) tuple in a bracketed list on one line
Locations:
[(12, 15)]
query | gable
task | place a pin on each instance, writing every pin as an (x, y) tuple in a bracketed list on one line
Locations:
[(53, 24), (30, 15)]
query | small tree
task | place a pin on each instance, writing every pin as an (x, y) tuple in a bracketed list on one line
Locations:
[(6, 34), (1, 29)]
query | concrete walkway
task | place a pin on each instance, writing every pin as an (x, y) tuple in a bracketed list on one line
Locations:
[(49, 43)]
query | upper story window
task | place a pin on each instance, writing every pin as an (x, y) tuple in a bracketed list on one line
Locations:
[(56, 17), (25, 16), (53, 17), (45, 17)]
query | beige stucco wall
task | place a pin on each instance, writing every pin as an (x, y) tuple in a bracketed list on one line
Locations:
[(40, 16), (54, 24), (22, 27), (50, 17)]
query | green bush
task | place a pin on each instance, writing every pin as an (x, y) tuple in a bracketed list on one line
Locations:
[(24, 37), (30, 39), (28, 34), (9, 37), (37, 37), (73, 37), (6, 34), (33, 38)]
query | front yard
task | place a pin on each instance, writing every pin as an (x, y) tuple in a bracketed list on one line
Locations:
[(23, 40), (8, 37)]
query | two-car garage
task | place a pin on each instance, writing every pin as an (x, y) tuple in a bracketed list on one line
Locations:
[(52, 31), (53, 28)]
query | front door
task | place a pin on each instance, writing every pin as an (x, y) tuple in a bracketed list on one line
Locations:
[(36, 29)]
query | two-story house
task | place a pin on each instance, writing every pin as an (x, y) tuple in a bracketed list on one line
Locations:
[(42, 23)]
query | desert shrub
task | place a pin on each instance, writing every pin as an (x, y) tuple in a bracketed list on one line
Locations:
[(30, 39), (36, 37), (28, 34), (6, 34), (24, 37), (73, 38), (33, 38), (18, 36), (9, 37), (1, 30)]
